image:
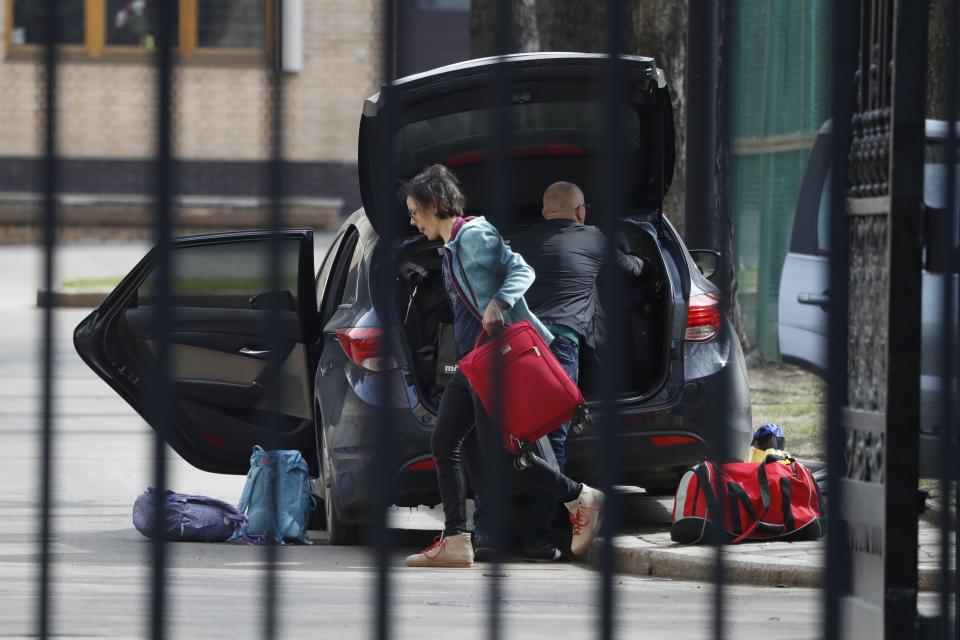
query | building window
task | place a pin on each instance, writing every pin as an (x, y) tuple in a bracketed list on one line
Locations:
[(134, 23), (231, 24), (207, 29), (29, 22)]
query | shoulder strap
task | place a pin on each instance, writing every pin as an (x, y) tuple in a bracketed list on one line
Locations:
[(466, 281), (471, 306), (248, 489)]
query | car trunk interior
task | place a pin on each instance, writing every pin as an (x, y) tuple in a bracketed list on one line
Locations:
[(556, 129), (427, 321)]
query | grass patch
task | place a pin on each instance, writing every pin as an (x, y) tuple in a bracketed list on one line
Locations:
[(794, 399), (91, 283)]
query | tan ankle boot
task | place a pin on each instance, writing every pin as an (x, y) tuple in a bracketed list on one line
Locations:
[(446, 551)]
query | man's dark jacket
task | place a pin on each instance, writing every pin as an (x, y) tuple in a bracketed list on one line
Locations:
[(567, 257)]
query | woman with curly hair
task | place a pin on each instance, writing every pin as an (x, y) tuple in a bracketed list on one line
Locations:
[(485, 283)]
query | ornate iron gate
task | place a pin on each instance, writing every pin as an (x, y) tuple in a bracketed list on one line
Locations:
[(878, 468)]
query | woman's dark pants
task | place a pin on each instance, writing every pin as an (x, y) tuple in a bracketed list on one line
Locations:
[(459, 411)]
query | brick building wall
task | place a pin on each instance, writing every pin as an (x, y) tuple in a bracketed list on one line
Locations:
[(107, 114)]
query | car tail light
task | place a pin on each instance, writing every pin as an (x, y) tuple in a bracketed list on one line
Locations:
[(214, 440), (364, 345), (423, 465), (546, 151), (703, 317), (671, 441)]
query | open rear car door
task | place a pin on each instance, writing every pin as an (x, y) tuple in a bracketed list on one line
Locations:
[(222, 370)]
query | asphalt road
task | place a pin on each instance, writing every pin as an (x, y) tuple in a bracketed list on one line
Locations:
[(102, 461)]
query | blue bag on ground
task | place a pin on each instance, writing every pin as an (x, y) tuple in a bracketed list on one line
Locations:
[(188, 518), (292, 495)]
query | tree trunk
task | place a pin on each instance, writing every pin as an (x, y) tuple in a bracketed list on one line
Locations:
[(571, 26), (936, 58), (524, 33), (724, 203), (660, 30)]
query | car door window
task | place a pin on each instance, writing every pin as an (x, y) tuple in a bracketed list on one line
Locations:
[(323, 276), (352, 277), (333, 292), (823, 215), (225, 275)]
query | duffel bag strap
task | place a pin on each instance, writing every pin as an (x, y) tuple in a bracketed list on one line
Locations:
[(703, 479), (737, 497), (764, 486), (758, 524), (788, 521)]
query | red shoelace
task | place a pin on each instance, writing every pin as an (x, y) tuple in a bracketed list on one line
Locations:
[(578, 520), (438, 543)]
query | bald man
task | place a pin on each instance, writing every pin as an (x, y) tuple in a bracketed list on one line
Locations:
[(566, 255)]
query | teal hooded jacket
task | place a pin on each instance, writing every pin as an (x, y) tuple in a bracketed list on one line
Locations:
[(484, 267)]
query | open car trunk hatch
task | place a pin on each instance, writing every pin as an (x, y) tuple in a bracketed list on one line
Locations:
[(557, 127)]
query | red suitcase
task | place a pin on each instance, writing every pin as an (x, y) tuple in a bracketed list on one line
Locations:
[(537, 394)]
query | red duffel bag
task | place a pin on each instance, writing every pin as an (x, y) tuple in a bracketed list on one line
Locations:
[(749, 500), (537, 395)]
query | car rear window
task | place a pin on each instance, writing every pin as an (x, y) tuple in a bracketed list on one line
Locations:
[(564, 128)]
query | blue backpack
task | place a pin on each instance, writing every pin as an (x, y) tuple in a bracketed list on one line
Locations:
[(293, 501), (188, 518)]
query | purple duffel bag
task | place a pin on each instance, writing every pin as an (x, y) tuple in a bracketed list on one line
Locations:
[(188, 518)]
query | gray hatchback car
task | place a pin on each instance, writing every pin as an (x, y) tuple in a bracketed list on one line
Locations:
[(685, 374)]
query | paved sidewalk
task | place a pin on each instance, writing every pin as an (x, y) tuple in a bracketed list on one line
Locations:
[(650, 552)]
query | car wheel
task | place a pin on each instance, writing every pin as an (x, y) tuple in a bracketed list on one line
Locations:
[(340, 533)]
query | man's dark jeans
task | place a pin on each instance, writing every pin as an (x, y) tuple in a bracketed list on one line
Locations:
[(542, 506)]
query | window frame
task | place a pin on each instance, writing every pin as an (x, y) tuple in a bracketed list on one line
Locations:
[(95, 46)]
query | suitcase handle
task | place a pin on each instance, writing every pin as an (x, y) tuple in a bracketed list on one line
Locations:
[(483, 335)]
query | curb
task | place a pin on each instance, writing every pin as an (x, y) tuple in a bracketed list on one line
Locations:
[(73, 298), (633, 556)]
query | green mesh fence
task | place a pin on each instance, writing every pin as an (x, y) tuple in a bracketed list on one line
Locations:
[(779, 83)]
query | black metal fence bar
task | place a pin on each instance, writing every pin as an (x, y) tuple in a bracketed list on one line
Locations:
[(947, 420), (501, 185), (162, 391), (900, 473), (612, 206), (702, 185), (50, 186), (385, 461), (275, 189), (844, 48)]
